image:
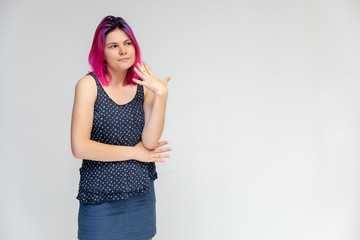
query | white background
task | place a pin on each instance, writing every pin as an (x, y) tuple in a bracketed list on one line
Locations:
[(263, 115)]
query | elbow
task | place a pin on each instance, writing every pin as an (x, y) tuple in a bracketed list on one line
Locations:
[(77, 155), (77, 151), (149, 144), (150, 140)]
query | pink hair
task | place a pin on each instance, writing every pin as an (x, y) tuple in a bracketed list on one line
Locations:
[(96, 56)]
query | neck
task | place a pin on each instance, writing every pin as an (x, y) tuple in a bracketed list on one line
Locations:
[(117, 78)]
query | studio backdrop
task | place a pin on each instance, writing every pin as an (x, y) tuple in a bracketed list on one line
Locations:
[(263, 115)]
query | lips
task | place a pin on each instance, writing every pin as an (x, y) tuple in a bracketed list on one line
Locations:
[(123, 59)]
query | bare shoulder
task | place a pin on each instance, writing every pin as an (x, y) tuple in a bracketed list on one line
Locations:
[(86, 82), (86, 87)]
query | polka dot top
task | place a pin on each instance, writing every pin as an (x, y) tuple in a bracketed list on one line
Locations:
[(116, 125)]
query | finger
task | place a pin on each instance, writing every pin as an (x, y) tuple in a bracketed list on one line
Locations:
[(138, 81), (147, 68), (143, 71), (159, 160), (162, 143), (166, 80), (140, 74), (162, 155), (161, 150)]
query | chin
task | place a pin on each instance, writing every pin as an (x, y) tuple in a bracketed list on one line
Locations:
[(129, 65), (125, 68)]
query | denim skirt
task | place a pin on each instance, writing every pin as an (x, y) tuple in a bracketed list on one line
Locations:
[(131, 219)]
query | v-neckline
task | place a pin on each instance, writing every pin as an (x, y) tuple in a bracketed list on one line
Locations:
[(116, 102)]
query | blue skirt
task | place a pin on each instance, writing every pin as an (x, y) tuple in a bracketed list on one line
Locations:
[(134, 218)]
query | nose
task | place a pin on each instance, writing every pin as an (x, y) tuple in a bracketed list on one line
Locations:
[(122, 50)]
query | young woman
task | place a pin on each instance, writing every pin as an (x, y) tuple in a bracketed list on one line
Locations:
[(117, 122)]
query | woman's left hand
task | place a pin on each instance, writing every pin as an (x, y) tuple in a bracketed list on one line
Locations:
[(149, 80)]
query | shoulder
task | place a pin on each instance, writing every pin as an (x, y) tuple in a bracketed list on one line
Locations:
[(86, 86), (86, 81)]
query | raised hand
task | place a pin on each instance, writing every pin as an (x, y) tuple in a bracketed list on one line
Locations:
[(149, 80)]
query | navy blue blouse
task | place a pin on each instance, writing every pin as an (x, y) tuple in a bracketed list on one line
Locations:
[(116, 125)]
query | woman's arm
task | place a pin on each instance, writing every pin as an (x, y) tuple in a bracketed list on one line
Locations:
[(156, 94), (81, 125)]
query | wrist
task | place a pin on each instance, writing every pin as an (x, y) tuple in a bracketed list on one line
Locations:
[(162, 92), (134, 152)]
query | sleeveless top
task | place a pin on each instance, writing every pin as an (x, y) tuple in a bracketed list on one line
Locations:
[(116, 125)]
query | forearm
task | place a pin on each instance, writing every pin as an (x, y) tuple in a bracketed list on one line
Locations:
[(92, 150), (155, 125)]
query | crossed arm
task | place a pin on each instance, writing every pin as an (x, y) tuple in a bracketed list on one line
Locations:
[(84, 148), (156, 94)]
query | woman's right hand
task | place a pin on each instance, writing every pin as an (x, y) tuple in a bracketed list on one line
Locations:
[(143, 154)]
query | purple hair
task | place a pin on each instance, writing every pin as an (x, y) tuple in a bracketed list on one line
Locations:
[(96, 56)]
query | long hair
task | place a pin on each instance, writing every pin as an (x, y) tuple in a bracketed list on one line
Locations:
[(96, 56)]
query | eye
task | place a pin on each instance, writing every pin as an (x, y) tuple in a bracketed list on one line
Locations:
[(113, 46), (128, 43)]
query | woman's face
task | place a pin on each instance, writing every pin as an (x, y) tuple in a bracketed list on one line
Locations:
[(119, 51)]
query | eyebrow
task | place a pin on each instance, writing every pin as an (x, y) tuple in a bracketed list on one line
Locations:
[(117, 43)]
